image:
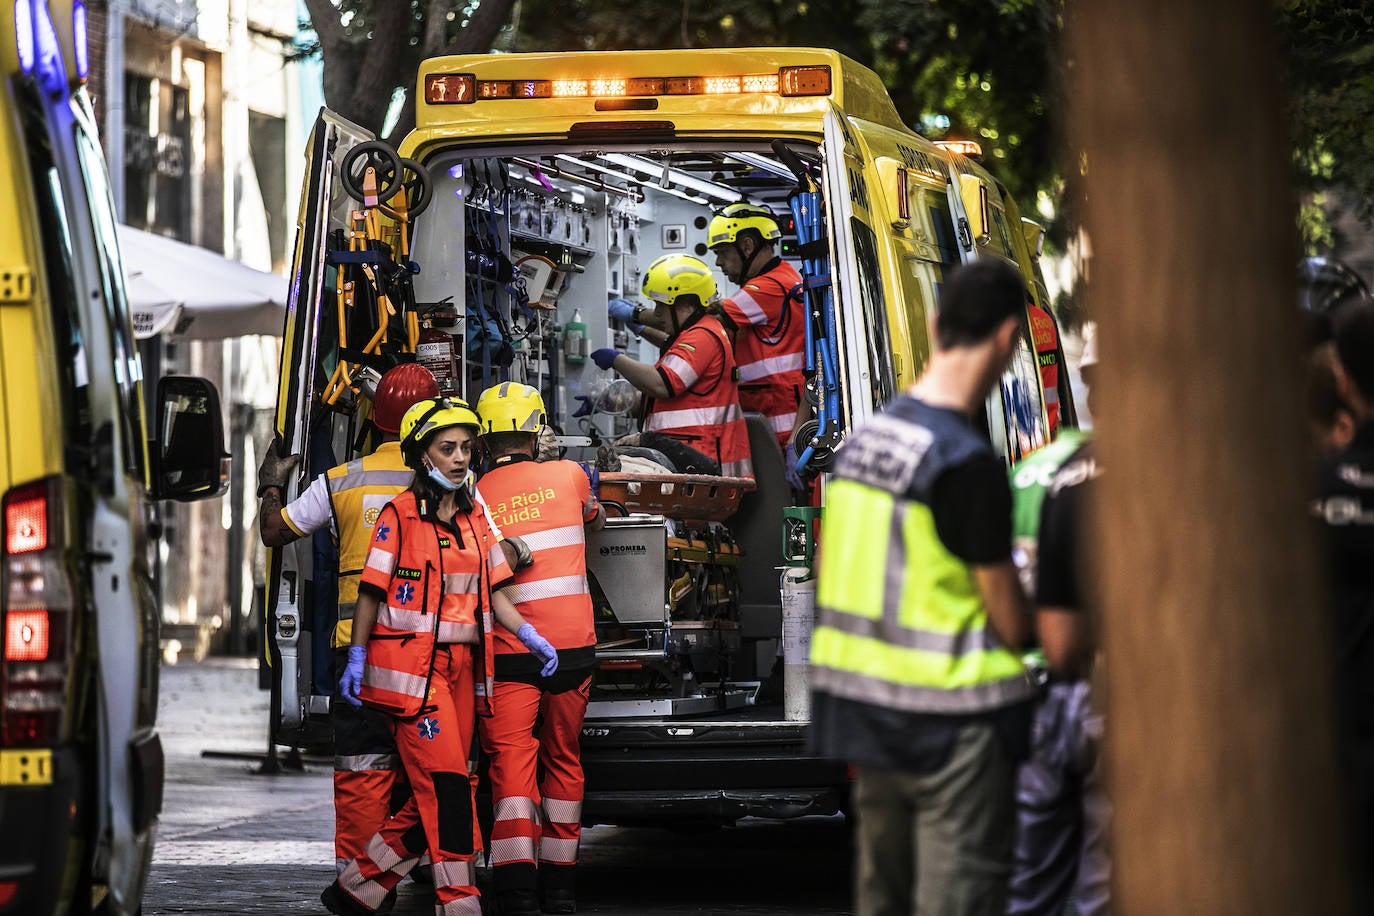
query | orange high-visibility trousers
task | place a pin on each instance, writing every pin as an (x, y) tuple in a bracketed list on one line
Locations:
[(536, 783), (434, 748), (365, 769)]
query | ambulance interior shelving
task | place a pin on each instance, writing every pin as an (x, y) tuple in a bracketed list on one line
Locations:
[(534, 243)]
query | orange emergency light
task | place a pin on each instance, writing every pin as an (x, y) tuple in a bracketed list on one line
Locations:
[(465, 88)]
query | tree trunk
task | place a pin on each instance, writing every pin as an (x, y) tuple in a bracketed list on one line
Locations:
[(477, 37), (1219, 747)]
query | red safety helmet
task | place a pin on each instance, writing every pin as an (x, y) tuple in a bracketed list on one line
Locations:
[(400, 388)]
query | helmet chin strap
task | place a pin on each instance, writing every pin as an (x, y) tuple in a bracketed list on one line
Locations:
[(746, 261), (678, 327)]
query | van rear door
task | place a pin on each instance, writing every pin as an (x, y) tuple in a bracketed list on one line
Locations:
[(864, 340), (298, 620)]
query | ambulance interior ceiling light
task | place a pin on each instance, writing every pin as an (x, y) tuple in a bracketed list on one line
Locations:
[(668, 175), (633, 192), (635, 183), (23, 34)]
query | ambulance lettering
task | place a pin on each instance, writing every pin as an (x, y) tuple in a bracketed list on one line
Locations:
[(858, 189)]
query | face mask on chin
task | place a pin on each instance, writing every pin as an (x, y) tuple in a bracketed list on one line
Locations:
[(444, 483)]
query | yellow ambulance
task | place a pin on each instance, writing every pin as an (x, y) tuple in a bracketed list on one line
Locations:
[(549, 183), (81, 769)]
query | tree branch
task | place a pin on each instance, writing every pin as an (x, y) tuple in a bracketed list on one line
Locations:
[(476, 37), (380, 69), (340, 69), (479, 34), (436, 26)]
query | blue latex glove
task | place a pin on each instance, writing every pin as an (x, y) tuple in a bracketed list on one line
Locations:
[(605, 357), (352, 680), (624, 310), (586, 409), (593, 477), (539, 647), (791, 473)]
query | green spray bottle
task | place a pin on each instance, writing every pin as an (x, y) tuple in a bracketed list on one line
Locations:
[(575, 340)]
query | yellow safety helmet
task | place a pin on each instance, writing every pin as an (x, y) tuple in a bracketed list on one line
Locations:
[(676, 275), (729, 222), (511, 407), (433, 414)]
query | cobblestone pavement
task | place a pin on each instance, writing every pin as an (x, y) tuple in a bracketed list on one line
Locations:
[(234, 840)]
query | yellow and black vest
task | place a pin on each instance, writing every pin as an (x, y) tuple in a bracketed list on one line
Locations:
[(900, 623), (357, 492)]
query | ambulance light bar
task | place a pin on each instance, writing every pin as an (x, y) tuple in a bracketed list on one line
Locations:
[(465, 88)]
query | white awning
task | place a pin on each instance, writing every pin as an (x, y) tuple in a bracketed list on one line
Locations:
[(192, 292)]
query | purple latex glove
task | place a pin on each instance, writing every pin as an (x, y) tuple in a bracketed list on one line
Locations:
[(585, 410), (605, 357), (352, 680), (539, 647)]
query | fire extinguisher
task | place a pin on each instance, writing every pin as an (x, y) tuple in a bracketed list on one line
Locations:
[(436, 350)]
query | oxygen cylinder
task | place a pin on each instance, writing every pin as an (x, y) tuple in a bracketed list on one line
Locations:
[(798, 619), (574, 339)]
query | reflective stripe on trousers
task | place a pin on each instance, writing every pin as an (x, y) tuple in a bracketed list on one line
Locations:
[(434, 748), (514, 830)]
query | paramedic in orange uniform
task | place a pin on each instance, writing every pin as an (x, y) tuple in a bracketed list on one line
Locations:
[(766, 315), (347, 500), (694, 386), (422, 652), (531, 739)]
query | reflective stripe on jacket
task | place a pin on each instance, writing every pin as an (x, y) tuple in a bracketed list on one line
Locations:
[(545, 504), (900, 621), (770, 345), (358, 491), (437, 581), (703, 411)]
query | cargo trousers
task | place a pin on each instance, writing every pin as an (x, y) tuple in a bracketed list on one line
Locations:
[(435, 747), (938, 843)]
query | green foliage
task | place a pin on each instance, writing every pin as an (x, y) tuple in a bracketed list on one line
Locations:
[(978, 69), (1329, 48)]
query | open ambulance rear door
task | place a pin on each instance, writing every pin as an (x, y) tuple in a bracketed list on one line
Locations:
[(300, 577), (862, 341)]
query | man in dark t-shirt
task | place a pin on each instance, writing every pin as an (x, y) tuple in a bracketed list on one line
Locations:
[(1062, 805), (916, 672), (1345, 506)]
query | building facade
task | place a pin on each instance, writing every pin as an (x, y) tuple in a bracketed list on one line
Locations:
[(199, 110)]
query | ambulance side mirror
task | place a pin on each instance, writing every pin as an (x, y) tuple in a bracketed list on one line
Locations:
[(1034, 234), (974, 193), (189, 460)]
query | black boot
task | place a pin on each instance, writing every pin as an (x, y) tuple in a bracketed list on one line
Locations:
[(517, 902), (560, 900), (338, 901), (558, 883)]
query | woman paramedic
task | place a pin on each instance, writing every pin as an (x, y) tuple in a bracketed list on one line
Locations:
[(422, 652)]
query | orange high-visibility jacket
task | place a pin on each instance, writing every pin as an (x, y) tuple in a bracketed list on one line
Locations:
[(770, 344), (437, 580), (703, 410), (546, 504)]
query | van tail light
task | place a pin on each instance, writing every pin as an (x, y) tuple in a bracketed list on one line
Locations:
[(38, 614)]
